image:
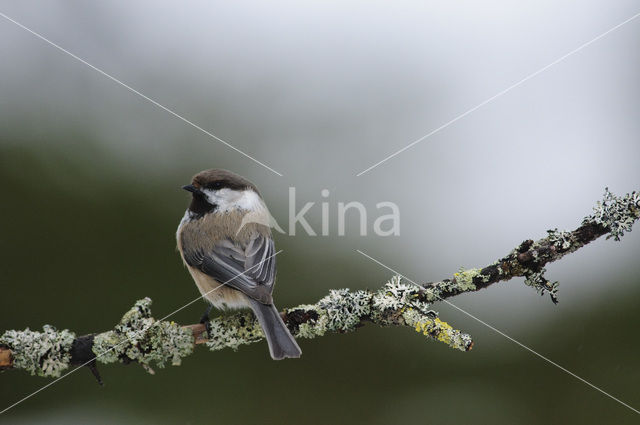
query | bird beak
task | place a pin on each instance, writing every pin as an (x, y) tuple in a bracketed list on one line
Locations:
[(191, 188)]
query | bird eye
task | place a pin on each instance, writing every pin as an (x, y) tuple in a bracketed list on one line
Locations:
[(217, 185)]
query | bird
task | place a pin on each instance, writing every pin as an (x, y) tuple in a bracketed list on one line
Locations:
[(225, 243)]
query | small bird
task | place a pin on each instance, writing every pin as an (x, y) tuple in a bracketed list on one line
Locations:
[(225, 242)]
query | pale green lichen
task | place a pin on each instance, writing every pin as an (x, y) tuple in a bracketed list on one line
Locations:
[(536, 280), (345, 309), (314, 328), (401, 302), (45, 353), (140, 338), (616, 213), (560, 238), (412, 317), (317, 323), (464, 279), (396, 296), (430, 325), (398, 293), (233, 331)]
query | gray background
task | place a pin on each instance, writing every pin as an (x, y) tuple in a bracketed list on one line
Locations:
[(320, 91)]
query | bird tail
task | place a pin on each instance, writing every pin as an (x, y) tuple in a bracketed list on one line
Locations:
[(281, 343)]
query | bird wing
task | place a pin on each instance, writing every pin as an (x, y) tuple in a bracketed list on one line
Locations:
[(250, 269)]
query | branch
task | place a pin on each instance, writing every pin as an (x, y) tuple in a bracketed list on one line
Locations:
[(138, 337)]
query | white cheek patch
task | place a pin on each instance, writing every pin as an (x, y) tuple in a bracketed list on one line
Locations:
[(217, 197), (228, 199)]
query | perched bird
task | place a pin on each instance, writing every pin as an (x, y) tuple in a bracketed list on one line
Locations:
[(225, 242)]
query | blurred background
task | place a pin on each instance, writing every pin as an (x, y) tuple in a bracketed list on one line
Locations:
[(90, 176)]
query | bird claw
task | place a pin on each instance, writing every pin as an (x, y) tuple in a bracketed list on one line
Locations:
[(93, 367)]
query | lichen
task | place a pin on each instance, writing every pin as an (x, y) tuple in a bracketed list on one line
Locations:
[(539, 282), (314, 328), (398, 293), (344, 309), (443, 332), (464, 279), (316, 324), (140, 338), (560, 238), (616, 213), (233, 331), (45, 353)]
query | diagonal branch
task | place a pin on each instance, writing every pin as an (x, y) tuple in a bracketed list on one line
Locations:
[(140, 338)]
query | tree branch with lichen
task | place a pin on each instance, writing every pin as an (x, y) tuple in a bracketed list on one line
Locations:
[(139, 338)]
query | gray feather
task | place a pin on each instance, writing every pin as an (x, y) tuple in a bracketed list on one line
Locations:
[(250, 269), (281, 343)]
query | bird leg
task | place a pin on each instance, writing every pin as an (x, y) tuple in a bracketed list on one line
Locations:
[(205, 320)]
